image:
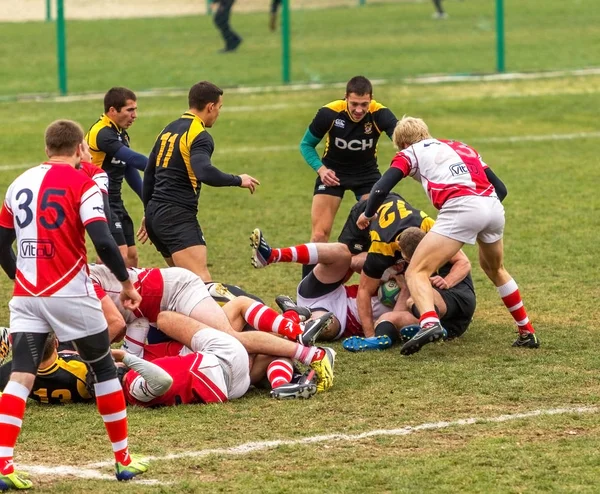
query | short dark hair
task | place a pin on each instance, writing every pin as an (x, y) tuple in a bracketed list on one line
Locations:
[(62, 137), (117, 97), (359, 85), (202, 93), (49, 346)]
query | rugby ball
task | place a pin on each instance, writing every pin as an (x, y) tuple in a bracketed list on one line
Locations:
[(388, 293)]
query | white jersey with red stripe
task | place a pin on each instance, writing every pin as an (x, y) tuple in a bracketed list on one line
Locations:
[(353, 324), (148, 282), (49, 206), (97, 174), (446, 169)]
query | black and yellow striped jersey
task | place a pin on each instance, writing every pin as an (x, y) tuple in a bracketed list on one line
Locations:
[(350, 145), (64, 381), (174, 179), (380, 241), (105, 138)]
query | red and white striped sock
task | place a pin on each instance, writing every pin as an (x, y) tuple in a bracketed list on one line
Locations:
[(429, 318), (509, 292), (12, 410), (308, 354), (302, 254), (263, 318), (111, 405), (280, 372)]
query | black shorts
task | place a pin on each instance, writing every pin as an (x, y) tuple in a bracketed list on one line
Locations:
[(172, 228), (360, 184), (121, 225), (351, 236), (312, 287), (460, 307)]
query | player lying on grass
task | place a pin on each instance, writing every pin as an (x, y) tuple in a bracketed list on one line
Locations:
[(454, 296), (323, 289), (204, 366), (177, 374), (182, 291)]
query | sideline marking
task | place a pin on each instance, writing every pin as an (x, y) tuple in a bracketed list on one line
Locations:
[(178, 92), (90, 470), (279, 149)]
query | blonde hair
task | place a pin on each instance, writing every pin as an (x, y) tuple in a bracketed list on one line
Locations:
[(408, 131)]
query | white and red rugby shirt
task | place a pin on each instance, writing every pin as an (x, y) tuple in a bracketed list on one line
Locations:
[(49, 206)]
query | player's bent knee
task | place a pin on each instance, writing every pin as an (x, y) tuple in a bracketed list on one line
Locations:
[(95, 351)]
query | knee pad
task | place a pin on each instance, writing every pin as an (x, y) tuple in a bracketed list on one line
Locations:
[(386, 328), (27, 349), (94, 350)]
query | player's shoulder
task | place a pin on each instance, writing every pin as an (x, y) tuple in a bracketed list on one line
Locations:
[(335, 107), (375, 107)]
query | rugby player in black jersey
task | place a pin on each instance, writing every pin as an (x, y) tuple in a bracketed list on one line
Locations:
[(109, 147), (180, 162), (352, 127), (62, 376)]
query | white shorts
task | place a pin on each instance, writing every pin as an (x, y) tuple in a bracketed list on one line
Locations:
[(335, 301), (182, 291), (70, 318), (232, 357), (471, 218)]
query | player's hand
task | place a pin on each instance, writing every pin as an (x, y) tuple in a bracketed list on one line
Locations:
[(130, 298), (363, 222), (439, 282), (328, 177), (118, 354), (249, 183), (142, 234)]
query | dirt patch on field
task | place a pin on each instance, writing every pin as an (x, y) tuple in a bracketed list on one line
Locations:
[(35, 10)]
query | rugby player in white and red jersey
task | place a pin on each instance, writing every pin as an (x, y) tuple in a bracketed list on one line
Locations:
[(180, 290), (203, 366), (47, 210), (468, 195)]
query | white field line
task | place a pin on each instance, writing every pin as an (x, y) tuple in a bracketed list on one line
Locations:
[(89, 471), (290, 147), (286, 106), (280, 88)]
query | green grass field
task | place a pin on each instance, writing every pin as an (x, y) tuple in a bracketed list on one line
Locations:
[(541, 137), (388, 41)]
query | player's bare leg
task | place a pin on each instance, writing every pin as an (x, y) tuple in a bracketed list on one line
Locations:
[(195, 259), (132, 260), (242, 310), (210, 313), (432, 252), (183, 329), (491, 260), (323, 211)]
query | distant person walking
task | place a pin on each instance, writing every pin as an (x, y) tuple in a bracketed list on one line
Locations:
[(221, 20), (439, 10), (275, 4)]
